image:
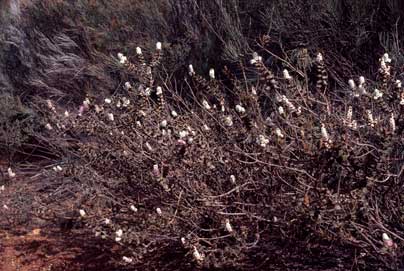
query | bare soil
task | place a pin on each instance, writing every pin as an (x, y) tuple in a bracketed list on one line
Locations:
[(50, 250)]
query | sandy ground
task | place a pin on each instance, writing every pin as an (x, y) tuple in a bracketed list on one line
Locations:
[(38, 250)]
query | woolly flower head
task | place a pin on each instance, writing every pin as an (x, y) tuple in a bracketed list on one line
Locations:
[(138, 50), (206, 128), (197, 256), (286, 74), (240, 109), (159, 91), (149, 147), (352, 84), (133, 208), (10, 173), (278, 98), (183, 133), (174, 114), (50, 105), (191, 70), (66, 114), (206, 105), (48, 126), (371, 120), (122, 58), (299, 110), (256, 58), (125, 102), (156, 171), (279, 133), (228, 226), (107, 101), (86, 102), (361, 80), (324, 132), (377, 94), (158, 211), (319, 58), (398, 83), (262, 141), (127, 259), (147, 91), (228, 121), (281, 111), (349, 114), (158, 46), (288, 103), (82, 213), (362, 90), (163, 124), (254, 91), (212, 73), (387, 240), (119, 233), (57, 169), (386, 58), (128, 86), (111, 116), (232, 179)]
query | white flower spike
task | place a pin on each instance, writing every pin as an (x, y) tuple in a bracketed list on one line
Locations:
[(198, 256), (319, 57), (159, 91), (82, 213), (286, 74), (133, 208), (228, 226), (128, 86), (206, 105), (387, 240), (240, 109), (386, 58), (212, 73), (10, 173), (352, 84), (228, 121), (119, 233), (127, 259), (174, 114), (158, 46), (191, 70)]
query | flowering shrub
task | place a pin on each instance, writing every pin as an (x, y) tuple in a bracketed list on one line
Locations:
[(248, 167), (221, 174)]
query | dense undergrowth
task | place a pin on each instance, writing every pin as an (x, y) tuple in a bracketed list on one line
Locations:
[(269, 151)]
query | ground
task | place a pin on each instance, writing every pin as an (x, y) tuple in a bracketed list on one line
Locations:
[(50, 249)]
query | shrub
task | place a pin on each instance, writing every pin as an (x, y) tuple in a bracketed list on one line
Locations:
[(253, 167), (209, 174)]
